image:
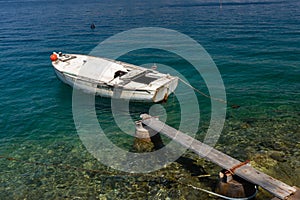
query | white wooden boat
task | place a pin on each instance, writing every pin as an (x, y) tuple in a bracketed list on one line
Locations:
[(113, 79)]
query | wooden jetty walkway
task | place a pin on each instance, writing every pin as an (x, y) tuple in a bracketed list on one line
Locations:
[(279, 189)]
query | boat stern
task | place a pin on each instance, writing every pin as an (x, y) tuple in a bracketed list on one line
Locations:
[(162, 93)]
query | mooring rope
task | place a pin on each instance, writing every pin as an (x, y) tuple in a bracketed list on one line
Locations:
[(131, 175), (202, 93), (222, 196)]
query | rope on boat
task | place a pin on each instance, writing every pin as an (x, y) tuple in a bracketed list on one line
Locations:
[(111, 175), (202, 93)]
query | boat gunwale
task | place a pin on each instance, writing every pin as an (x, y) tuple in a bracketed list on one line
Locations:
[(105, 84)]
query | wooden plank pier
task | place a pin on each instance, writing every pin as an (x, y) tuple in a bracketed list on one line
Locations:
[(279, 189)]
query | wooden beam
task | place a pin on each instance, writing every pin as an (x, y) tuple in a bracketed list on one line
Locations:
[(295, 196), (275, 187)]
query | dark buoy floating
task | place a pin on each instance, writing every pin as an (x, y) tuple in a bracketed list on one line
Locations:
[(93, 26)]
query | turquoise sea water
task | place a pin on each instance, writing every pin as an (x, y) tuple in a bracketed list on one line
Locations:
[(255, 44)]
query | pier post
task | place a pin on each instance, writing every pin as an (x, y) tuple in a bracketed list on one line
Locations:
[(146, 139), (233, 186), (142, 140)]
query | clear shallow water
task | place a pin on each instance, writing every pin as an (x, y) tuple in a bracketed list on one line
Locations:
[(255, 46)]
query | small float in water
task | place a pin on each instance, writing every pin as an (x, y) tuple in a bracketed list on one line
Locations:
[(113, 79)]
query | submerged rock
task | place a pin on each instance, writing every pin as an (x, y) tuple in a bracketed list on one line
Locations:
[(278, 155)]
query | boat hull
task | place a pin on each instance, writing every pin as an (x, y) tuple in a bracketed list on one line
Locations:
[(160, 94)]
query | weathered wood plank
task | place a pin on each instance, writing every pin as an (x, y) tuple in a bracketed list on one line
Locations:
[(295, 196), (275, 187)]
